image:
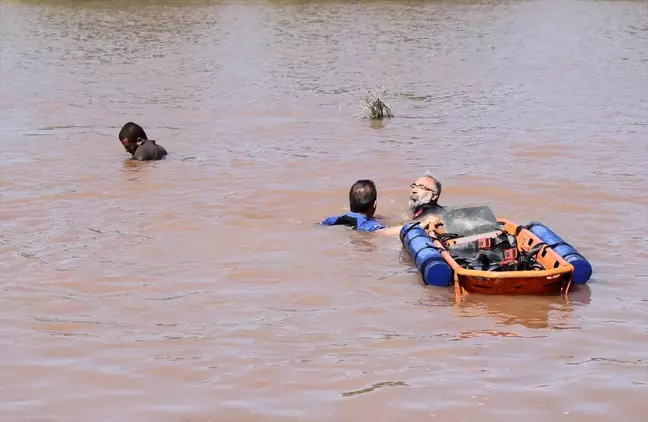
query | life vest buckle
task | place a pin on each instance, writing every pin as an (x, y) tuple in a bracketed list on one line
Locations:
[(510, 256), (511, 253), (484, 243)]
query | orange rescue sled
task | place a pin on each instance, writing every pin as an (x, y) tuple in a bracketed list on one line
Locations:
[(554, 277), (529, 266)]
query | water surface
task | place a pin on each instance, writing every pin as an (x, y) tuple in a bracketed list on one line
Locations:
[(199, 287)]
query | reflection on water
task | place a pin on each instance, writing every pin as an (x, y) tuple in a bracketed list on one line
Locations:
[(555, 312), (132, 167), (200, 287)]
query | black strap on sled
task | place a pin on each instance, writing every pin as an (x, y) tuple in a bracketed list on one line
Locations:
[(533, 252)]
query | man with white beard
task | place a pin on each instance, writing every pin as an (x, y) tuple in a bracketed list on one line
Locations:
[(424, 197)]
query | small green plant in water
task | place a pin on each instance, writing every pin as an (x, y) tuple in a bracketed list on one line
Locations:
[(375, 107)]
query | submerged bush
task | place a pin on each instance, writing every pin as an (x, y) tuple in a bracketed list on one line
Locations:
[(375, 106)]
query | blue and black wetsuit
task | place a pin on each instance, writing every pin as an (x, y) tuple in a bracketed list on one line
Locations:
[(356, 221)]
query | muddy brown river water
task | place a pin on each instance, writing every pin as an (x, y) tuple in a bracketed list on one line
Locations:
[(199, 288)]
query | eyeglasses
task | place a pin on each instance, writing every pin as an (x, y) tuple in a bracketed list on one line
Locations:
[(414, 185)]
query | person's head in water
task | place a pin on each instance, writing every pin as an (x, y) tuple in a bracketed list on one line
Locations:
[(363, 197), (131, 136), (425, 190)]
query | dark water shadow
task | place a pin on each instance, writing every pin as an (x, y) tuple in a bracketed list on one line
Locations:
[(134, 166), (377, 123), (135, 170), (374, 387)]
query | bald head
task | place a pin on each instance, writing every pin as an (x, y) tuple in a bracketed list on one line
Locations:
[(430, 183), (425, 190)]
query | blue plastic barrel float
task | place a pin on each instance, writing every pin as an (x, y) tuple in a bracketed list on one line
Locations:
[(582, 267), (428, 260)]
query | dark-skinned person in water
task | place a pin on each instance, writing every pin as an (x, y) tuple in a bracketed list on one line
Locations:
[(135, 141)]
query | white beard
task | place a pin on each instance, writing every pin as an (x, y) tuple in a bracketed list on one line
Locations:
[(416, 201)]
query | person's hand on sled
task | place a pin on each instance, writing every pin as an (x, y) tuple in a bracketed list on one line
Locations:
[(431, 222)]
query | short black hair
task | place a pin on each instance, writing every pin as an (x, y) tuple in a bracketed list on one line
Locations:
[(132, 131), (362, 196)]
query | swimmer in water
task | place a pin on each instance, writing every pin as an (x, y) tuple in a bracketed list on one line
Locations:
[(134, 140), (363, 200), (424, 197)]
